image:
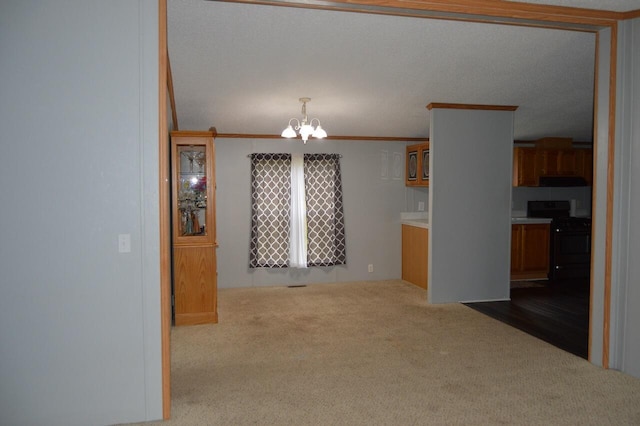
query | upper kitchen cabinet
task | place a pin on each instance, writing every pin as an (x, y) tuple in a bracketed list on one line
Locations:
[(530, 164), (417, 170), (584, 164), (525, 167)]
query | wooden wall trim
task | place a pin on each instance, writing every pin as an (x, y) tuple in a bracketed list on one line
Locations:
[(172, 98), (472, 106), (594, 195), (341, 138), (193, 133), (632, 14), (610, 191), (495, 11), (164, 211)]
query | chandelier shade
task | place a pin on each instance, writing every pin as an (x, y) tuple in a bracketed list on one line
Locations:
[(305, 126)]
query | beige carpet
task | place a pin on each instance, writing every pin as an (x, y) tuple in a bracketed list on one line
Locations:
[(375, 353)]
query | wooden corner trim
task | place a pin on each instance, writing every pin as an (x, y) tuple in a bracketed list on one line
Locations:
[(483, 10), (472, 106), (192, 133), (164, 211), (632, 14), (172, 98)]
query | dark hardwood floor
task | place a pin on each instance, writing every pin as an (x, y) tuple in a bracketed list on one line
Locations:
[(557, 313)]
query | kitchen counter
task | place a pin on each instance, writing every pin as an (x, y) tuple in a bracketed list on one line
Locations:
[(523, 220), (420, 223), (421, 220), (417, 219)]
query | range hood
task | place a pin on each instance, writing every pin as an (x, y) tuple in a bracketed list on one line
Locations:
[(560, 181)]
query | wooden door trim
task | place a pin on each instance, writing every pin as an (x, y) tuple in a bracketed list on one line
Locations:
[(164, 207), (520, 14)]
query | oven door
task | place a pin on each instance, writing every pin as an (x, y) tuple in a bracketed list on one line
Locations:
[(570, 254)]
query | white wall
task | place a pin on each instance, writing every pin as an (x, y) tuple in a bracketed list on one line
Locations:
[(470, 205), (372, 207), (582, 195), (625, 295), (79, 322)]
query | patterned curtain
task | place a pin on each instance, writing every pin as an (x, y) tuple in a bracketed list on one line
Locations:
[(325, 216), (270, 207)]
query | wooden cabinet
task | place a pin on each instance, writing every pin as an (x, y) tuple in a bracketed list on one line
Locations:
[(525, 166), (417, 165), (530, 251), (584, 164), (415, 255), (529, 163), (558, 162), (193, 228)]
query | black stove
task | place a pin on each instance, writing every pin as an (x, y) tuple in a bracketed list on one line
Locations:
[(570, 240)]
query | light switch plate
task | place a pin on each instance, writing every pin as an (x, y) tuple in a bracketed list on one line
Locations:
[(124, 243)]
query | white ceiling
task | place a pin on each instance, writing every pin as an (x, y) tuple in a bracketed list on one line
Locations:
[(242, 68)]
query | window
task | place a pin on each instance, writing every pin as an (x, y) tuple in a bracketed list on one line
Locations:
[(288, 224)]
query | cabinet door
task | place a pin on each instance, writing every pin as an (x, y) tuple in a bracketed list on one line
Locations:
[(535, 249), (412, 168), (193, 196), (584, 164), (558, 162), (195, 285), (525, 166), (529, 251), (415, 255), (423, 178), (516, 249)]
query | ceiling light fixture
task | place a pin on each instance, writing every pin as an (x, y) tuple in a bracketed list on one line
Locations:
[(304, 127)]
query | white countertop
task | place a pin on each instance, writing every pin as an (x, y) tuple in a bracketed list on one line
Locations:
[(521, 220), (420, 223), (419, 219)]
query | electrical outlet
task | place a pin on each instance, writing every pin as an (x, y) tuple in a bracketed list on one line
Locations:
[(420, 206), (371, 267)]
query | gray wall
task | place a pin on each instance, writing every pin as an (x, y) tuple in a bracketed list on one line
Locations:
[(470, 205), (625, 295), (373, 200), (79, 321), (582, 195)]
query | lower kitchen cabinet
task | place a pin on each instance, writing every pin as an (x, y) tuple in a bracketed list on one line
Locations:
[(530, 251), (415, 255)]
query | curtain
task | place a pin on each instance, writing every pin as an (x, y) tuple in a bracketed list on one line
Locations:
[(325, 215), (270, 210), (298, 237), (297, 218)]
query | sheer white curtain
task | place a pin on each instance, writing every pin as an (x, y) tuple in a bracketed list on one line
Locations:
[(298, 234)]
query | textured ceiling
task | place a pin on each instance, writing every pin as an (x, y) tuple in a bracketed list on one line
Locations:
[(242, 68)]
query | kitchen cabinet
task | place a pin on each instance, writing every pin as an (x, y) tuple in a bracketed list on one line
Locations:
[(525, 166), (558, 162), (415, 255), (529, 163), (530, 251), (417, 165), (193, 228), (584, 164)]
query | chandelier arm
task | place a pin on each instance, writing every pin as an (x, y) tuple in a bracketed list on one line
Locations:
[(297, 126)]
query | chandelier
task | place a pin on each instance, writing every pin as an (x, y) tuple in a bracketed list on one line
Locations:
[(304, 127)]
